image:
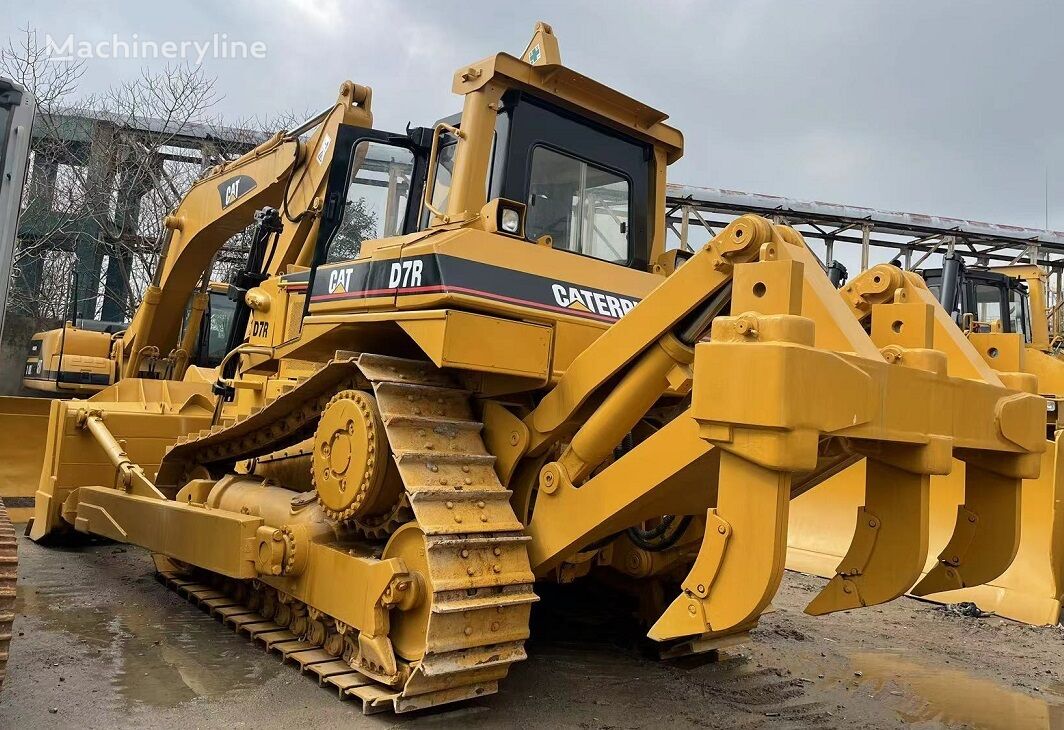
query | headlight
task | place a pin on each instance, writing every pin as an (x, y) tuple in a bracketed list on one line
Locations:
[(510, 220), (1051, 406)]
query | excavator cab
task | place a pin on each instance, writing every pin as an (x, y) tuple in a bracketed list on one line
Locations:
[(374, 189), (214, 327)]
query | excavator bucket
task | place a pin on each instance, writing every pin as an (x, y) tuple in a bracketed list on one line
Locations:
[(24, 421)]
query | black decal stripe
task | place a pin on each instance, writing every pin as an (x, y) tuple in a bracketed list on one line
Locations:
[(442, 289), (455, 275)]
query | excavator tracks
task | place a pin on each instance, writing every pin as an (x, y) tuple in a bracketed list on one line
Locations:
[(474, 553), (8, 570)]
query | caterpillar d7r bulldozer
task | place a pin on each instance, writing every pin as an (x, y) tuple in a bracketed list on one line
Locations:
[(517, 382), (995, 320)]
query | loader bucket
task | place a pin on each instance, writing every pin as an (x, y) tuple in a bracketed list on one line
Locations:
[(1029, 590), (24, 426)]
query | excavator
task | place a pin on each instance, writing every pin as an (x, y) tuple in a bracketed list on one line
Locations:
[(1002, 313), (80, 358), (286, 173), (511, 380)]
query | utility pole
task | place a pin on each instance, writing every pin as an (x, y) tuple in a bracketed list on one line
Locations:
[(16, 119)]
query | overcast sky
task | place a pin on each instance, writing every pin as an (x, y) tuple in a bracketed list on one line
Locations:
[(952, 108)]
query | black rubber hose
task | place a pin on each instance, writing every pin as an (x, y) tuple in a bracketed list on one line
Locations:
[(657, 538), (659, 543)]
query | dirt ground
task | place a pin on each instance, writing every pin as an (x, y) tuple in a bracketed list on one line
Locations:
[(100, 644)]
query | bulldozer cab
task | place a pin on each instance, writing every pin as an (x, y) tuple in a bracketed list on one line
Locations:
[(542, 201), (578, 181), (981, 300)]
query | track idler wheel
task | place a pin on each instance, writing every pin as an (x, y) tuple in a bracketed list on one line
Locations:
[(409, 626)]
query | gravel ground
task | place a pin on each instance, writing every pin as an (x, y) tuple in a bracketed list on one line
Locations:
[(99, 644)]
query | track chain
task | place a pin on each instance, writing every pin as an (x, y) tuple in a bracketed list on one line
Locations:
[(282, 423), (480, 579), (8, 575), (477, 550)]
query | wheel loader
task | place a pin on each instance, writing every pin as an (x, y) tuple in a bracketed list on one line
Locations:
[(1001, 313), (482, 369)]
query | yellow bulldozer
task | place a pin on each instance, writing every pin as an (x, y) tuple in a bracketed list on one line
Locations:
[(465, 362), (1003, 312)]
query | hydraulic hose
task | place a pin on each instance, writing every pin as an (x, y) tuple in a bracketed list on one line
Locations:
[(659, 537)]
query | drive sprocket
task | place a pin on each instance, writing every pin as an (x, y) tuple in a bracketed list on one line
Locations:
[(351, 459)]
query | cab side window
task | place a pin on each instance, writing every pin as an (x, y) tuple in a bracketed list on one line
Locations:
[(988, 304), (441, 187), (1019, 317), (582, 207), (213, 343)]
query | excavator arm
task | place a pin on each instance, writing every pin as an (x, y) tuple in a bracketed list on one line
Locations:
[(287, 173)]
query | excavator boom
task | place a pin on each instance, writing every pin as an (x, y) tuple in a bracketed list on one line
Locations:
[(287, 173)]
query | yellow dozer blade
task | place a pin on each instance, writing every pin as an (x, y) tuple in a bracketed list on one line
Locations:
[(24, 425), (1029, 590), (987, 544)]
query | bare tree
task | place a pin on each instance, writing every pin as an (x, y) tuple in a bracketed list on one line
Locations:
[(105, 171), (151, 127), (27, 61), (53, 85)]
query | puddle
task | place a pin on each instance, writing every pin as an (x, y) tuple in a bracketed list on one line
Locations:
[(952, 697), (156, 652)]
